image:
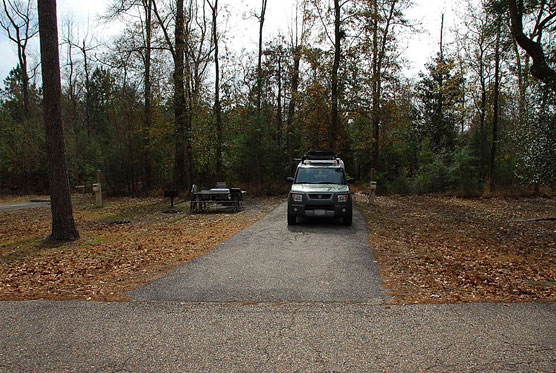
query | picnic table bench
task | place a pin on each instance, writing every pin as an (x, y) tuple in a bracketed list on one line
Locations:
[(228, 197)]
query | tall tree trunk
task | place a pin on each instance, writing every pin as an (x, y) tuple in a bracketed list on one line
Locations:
[(440, 130), (492, 163), (25, 83), (291, 106), (188, 129), (482, 118), (87, 90), (379, 53), (279, 103), (63, 225), (147, 4), (179, 99), (334, 120), (260, 55), (217, 106)]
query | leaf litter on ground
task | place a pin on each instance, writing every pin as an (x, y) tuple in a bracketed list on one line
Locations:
[(123, 245), (434, 249)]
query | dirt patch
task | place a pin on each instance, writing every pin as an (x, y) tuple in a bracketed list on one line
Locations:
[(442, 250), (111, 257)]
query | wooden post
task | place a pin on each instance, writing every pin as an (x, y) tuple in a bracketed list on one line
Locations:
[(97, 188), (372, 187)]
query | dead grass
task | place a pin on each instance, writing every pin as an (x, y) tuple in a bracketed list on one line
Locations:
[(125, 244), (441, 249)]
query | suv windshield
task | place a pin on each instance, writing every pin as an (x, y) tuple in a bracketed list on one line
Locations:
[(319, 176)]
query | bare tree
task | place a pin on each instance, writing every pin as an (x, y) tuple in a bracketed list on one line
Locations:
[(19, 23), (297, 39), (477, 24), (86, 45), (381, 20), (177, 49), (63, 225)]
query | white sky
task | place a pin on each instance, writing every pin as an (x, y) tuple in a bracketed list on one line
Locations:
[(418, 48)]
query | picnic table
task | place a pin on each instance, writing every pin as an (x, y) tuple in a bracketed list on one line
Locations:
[(228, 197)]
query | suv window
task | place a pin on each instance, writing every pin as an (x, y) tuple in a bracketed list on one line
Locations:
[(319, 176)]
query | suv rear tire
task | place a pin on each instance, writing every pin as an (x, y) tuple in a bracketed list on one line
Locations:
[(292, 220), (347, 220)]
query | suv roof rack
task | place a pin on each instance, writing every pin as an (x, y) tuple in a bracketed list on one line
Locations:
[(320, 156)]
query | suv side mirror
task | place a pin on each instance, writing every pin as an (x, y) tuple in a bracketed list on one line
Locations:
[(351, 180), (289, 179)]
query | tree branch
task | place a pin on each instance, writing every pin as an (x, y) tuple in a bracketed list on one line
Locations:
[(539, 68)]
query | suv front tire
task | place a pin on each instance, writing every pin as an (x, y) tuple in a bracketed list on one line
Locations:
[(292, 220)]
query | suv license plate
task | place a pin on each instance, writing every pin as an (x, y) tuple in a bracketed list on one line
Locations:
[(320, 212)]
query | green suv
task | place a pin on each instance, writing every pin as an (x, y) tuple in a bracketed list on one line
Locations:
[(320, 189)]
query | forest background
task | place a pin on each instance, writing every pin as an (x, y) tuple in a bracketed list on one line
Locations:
[(159, 106)]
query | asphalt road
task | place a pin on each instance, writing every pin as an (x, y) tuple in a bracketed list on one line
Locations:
[(276, 298), (185, 337), (317, 261), (23, 205)]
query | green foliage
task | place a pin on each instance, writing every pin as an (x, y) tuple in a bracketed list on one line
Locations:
[(463, 171)]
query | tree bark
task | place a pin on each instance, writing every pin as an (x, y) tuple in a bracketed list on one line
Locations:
[(334, 120), (63, 225)]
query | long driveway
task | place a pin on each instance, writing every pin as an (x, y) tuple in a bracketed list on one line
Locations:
[(318, 261)]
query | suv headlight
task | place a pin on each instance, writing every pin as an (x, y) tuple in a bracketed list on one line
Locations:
[(297, 197), (343, 197)]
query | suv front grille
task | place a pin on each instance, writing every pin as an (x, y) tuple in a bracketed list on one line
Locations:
[(320, 196)]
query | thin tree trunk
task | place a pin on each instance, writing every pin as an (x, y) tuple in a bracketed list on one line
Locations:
[(148, 115), (217, 107), (334, 120), (63, 225), (379, 54), (25, 83), (259, 63), (87, 90), (291, 106), (179, 99), (279, 106), (482, 118), (492, 169)]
